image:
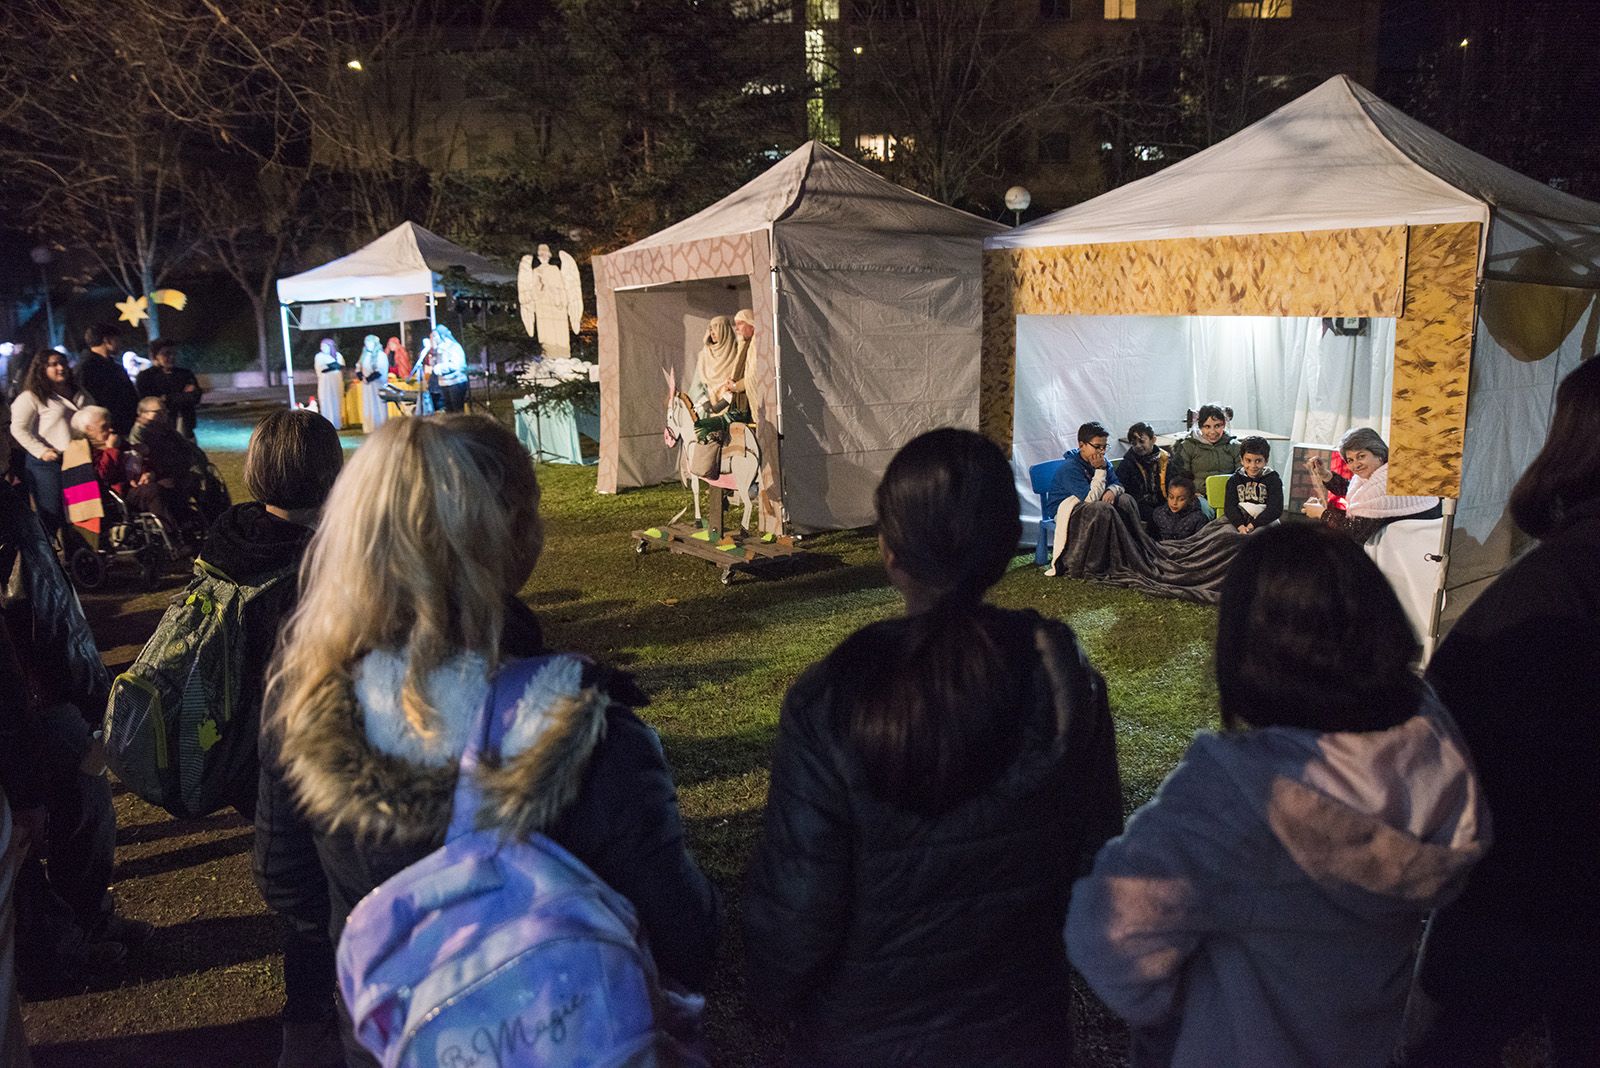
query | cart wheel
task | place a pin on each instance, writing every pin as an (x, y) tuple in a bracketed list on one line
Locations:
[(86, 568), (640, 548), (727, 576)]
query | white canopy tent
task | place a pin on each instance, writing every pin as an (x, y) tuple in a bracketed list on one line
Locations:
[(870, 305), (405, 262), (1479, 288)]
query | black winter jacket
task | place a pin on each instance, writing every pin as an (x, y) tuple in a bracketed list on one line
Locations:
[(887, 938), (106, 383), (1144, 478), (1519, 673)]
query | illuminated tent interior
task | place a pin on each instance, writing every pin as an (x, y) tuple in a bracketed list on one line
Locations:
[(408, 261), (1213, 280), (869, 305)]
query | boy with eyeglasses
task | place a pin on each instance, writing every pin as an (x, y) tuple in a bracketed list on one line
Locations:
[(1085, 475)]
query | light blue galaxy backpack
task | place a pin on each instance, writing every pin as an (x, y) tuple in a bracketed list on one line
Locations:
[(498, 953)]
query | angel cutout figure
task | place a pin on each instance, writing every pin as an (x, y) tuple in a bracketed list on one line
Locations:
[(551, 300)]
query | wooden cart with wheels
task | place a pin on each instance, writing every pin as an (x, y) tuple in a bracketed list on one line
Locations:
[(752, 554)]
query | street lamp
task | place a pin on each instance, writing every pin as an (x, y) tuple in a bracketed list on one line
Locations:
[(41, 256), (1017, 200)]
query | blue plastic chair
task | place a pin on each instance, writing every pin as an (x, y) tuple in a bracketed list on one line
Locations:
[(1041, 476)]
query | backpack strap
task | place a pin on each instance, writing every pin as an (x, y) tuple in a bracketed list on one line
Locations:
[(494, 719)]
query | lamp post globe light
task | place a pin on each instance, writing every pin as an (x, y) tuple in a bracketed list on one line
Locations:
[(1017, 200)]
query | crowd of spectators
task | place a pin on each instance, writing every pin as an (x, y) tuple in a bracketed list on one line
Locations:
[(944, 837)]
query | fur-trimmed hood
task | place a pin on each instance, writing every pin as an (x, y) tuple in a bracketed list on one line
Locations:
[(359, 766)]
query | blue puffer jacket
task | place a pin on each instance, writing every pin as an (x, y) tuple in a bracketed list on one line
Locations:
[(1072, 480)]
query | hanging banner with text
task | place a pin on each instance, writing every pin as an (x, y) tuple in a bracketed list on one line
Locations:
[(339, 314)]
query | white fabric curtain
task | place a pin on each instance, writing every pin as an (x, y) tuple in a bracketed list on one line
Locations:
[(1292, 376)]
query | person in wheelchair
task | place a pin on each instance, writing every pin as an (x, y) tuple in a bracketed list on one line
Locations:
[(121, 470), (179, 465)]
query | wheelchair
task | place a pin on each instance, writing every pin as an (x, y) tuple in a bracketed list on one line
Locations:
[(126, 536)]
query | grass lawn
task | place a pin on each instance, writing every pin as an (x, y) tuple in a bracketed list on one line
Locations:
[(717, 661)]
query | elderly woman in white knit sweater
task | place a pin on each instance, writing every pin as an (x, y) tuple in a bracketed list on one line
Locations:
[(41, 421), (1369, 506)]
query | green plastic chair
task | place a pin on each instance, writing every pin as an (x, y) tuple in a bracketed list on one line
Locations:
[(1217, 491)]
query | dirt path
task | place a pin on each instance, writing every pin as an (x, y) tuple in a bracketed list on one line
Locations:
[(206, 991)]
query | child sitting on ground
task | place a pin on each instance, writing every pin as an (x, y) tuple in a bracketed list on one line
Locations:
[(1182, 515), (1254, 497), (1143, 471)]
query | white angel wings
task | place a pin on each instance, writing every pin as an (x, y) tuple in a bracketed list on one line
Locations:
[(573, 285)]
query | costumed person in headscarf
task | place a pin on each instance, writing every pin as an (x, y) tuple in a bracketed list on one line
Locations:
[(373, 371), (450, 368), (399, 358), (330, 382), (713, 368)]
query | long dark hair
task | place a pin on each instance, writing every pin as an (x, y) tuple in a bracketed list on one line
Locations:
[(34, 381), (1566, 473), (1310, 634), (926, 697)]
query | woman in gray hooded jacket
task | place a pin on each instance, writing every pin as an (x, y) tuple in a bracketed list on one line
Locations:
[(1262, 909)]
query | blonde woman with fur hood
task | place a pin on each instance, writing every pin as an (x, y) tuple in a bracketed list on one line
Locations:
[(400, 628)]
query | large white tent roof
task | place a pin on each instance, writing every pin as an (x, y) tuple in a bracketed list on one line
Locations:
[(1334, 158), (406, 260), (814, 183)]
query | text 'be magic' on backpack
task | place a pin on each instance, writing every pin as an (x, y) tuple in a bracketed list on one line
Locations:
[(505, 952), (178, 730)]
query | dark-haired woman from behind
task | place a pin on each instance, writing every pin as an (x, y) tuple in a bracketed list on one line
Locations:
[(1519, 672), (1262, 909), (939, 780)]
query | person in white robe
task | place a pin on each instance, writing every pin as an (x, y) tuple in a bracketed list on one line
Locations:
[(330, 382), (373, 369)]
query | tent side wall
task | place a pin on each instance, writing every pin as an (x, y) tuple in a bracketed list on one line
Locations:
[(1422, 276), (631, 383), (1529, 338), (879, 340)]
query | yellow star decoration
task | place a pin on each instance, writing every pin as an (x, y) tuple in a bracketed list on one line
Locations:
[(136, 310), (133, 311)]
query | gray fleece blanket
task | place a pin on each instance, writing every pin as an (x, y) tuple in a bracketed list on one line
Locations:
[(1107, 542)]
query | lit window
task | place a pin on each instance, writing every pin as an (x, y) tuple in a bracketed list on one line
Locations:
[(1261, 9), (1121, 9), (1149, 153), (880, 147), (765, 10), (822, 11)]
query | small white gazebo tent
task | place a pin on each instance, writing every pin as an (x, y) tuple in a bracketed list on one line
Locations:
[(1480, 288), (405, 262), (869, 304)]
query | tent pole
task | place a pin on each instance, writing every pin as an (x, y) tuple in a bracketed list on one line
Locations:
[(1430, 639), (288, 354), (433, 313), (777, 381)]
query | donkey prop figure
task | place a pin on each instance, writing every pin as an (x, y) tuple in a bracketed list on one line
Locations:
[(741, 457)]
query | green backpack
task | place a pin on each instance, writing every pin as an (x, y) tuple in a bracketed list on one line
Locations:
[(178, 731)]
